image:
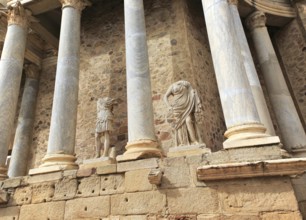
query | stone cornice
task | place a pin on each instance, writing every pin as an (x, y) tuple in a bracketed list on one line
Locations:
[(279, 167), (256, 20), (77, 4), (32, 71), (18, 15), (280, 9)]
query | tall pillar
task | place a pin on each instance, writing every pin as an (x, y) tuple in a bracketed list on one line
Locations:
[(23, 135), (292, 132), (61, 144), (251, 72), (142, 140), (11, 66), (240, 113)]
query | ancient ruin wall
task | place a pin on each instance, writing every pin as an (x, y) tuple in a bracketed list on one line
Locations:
[(178, 49)]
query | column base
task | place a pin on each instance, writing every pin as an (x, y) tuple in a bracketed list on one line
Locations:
[(299, 151), (54, 163), (140, 149), (248, 135), (3, 173)]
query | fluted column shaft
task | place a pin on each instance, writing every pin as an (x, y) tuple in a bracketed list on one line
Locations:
[(141, 133), (251, 72), (292, 132), (61, 143), (11, 66), (240, 113), (23, 135)]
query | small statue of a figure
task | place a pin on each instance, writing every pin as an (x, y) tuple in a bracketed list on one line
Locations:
[(181, 114), (104, 125)]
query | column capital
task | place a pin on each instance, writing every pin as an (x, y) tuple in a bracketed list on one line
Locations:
[(77, 4), (32, 71), (255, 20), (18, 15), (233, 2)]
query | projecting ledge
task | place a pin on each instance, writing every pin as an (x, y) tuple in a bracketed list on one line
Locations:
[(280, 167)]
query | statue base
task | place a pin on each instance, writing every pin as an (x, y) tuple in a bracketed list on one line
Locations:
[(97, 162), (188, 150)]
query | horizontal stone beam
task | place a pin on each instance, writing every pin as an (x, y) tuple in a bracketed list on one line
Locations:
[(280, 167), (37, 7)]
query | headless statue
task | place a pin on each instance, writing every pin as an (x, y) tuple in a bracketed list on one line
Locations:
[(104, 125)]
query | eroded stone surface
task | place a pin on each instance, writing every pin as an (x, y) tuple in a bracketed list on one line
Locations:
[(50, 210), (65, 189), (9, 213), (88, 208), (137, 180), (112, 184), (138, 203), (89, 187), (42, 192)]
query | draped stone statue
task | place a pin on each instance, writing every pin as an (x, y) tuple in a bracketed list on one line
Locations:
[(184, 104), (104, 125)]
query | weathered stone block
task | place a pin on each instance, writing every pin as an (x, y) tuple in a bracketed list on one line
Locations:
[(107, 169), (175, 177), (281, 216), (192, 200), (43, 192), (12, 182), (182, 217), (137, 164), (210, 217), (45, 177), (138, 203), (21, 196), (112, 184), (258, 196), (4, 196), (85, 172), (65, 189), (50, 210), (70, 173), (89, 186), (194, 177), (173, 162), (9, 213), (87, 208), (137, 180)]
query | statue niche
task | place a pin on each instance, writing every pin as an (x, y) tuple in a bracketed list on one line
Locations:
[(104, 126), (183, 106)]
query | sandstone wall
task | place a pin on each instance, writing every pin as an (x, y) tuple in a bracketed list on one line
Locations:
[(123, 192)]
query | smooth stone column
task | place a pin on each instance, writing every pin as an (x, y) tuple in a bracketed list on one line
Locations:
[(23, 135), (251, 72), (11, 66), (61, 144), (242, 120), (292, 132), (142, 140)]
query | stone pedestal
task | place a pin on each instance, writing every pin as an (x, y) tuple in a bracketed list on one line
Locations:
[(60, 153), (251, 72), (97, 162), (23, 135), (292, 132), (141, 141), (11, 66), (188, 150), (240, 113)]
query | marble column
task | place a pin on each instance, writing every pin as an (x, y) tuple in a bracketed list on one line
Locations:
[(292, 132), (141, 136), (239, 109), (23, 135), (251, 72), (11, 66), (61, 144)]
